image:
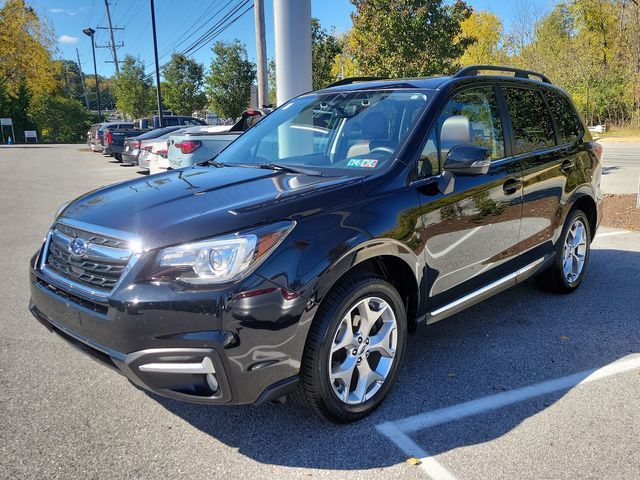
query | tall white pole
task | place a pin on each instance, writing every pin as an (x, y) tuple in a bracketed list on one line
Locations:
[(261, 52), (292, 25)]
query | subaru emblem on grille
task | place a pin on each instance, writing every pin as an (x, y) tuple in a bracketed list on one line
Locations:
[(78, 247)]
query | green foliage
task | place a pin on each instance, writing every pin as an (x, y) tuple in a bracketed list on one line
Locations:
[(406, 38), (485, 29), (324, 48), (16, 107), (60, 119), (133, 89), (231, 75), (26, 47), (271, 82), (69, 79), (182, 90)]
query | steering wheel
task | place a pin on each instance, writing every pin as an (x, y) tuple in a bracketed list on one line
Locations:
[(381, 149)]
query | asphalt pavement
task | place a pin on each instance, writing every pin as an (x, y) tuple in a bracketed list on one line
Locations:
[(621, 167), (526, 385)]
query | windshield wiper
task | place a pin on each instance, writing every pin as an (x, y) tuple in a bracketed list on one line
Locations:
[(289, 169), (213, 162)]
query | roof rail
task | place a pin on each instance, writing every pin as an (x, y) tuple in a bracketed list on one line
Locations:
[(350, 80), (472, 70)]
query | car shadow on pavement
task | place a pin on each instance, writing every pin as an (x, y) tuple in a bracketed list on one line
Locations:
[(607, 170), (521, 337)]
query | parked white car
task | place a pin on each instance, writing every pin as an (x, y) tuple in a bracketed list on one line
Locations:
[(598, 128), (150, 147)]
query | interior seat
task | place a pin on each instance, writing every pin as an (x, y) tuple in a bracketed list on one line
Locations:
[(375, 134)]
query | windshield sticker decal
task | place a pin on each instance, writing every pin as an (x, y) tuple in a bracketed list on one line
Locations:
[(363, 163)]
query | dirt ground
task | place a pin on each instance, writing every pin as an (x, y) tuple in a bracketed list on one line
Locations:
[(620, 211)]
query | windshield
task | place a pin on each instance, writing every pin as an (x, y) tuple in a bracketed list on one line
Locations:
[(334, 133)]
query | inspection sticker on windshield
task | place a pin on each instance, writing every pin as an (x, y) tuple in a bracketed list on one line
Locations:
[(362, 163)]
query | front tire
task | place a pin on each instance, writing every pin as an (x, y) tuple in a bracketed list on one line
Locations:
[(571, 258), (354, 349)]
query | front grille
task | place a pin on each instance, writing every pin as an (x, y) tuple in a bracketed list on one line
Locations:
[(99, 267), (83, 302)]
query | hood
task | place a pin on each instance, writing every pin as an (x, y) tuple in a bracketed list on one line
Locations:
[(200, 202)]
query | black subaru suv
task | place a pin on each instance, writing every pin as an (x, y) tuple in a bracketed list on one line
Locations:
[(299, 259)]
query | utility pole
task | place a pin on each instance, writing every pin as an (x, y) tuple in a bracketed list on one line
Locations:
[(261, 52), (90, 32), (84, 87), (155, 54), (113, 43), (112, 46)]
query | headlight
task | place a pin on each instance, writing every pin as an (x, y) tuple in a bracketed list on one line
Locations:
[(60, 210), (221, 259)]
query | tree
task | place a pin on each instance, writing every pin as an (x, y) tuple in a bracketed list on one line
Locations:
[(271, 82), (324, 48), (486, 30), (16, 107), (182, 90), (26, 47), (406, 38), (70, 79), (344, 63), (133, 89), (59, 119), (230, 78)]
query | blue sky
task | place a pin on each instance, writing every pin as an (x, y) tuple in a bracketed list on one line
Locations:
[(177, 19)]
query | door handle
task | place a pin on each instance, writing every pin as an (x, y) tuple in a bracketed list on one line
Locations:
[(511, 186), (567, 165)]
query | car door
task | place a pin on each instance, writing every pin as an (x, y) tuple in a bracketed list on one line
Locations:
[(470, 233), (546, 168)]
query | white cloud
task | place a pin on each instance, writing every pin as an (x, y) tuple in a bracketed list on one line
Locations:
[(68, 39), (68, 11)]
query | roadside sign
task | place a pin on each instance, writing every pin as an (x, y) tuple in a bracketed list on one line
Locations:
[(30, 134), (8, 123)]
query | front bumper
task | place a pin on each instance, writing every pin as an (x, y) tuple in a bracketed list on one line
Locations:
[(198, 346)]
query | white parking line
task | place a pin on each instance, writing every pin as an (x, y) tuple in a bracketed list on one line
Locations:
[(398, 431), (610, 234)]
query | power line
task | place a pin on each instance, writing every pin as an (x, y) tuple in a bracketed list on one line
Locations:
[(217, 29), (194, 29)]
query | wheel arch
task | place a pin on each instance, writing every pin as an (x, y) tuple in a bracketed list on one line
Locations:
[(391, 260), (585, 202)]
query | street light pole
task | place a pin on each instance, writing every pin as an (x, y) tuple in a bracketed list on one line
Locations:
[(155, 54), (90, 32)]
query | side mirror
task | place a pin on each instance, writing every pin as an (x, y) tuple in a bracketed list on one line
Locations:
[(467, 160)]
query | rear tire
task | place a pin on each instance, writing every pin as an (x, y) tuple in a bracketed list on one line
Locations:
[(354, 349), (571, 258)]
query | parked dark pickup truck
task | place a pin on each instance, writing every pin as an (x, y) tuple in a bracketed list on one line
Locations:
[(167, 121), (115, 140)]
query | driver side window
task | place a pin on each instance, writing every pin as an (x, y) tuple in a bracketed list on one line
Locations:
[(471, 117)]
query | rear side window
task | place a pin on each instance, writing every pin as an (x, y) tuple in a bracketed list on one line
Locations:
[(171, 121), (567, 119), (532, 127)]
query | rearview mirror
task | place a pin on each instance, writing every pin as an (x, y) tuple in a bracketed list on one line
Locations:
[(467, 160)]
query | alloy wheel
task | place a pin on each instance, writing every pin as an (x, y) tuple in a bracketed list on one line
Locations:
[(575, 251), (363, 350)]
